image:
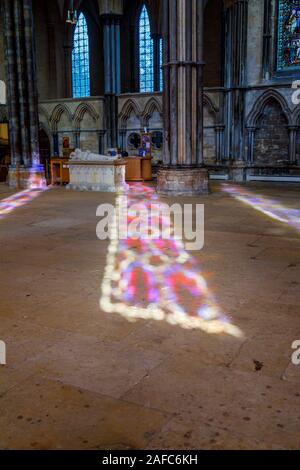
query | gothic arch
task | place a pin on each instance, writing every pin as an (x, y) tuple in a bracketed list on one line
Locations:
[(90, 9), (129, 107), (150, 8), (43, 112), (57, 112), (207, 101), (43, 127), (211, 115), (268, 130), (81, 110), (151, 106), (260, 104)]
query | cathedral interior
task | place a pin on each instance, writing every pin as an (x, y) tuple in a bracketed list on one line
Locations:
[(127, 343)]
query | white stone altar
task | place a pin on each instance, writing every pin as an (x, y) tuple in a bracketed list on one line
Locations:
[(92, 172)]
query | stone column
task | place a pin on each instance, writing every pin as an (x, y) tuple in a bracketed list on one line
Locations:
[(22, 91), (122, 137), (236, 17), (219, 142), (77, 134), (112, 75), (182, 172), (55, 138), (267, 40), (239, 76), (52, 47), (292, 144), (68, 92), (251, 135), (101, 135)]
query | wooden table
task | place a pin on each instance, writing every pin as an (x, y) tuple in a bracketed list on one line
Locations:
[(147, 168), (59, 171), (138, 169)]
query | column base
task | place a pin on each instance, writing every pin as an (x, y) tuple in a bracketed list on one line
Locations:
[(27, 178), (182, 181)]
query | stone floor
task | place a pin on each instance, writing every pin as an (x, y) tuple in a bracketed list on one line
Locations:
[(79, 378)]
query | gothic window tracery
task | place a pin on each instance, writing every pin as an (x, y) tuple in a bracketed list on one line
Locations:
[(161, 77), (288, 47), (81, 59), (146, 63)]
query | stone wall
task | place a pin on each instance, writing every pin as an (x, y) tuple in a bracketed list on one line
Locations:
[(209, 144), (213, 44), (83, 121), (255, 41), (138, 112), (272, 138), (271, 134), (80, 120), (298, 147)]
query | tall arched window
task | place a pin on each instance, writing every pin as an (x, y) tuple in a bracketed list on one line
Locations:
[(81, 59), (146, 71), (288, 47)]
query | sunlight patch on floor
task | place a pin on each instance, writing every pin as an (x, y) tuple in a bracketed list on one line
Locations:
[(158, 279), (270, 207), (37, 185), (17, 200)]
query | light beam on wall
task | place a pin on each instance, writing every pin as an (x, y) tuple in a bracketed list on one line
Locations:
[(158, 279)]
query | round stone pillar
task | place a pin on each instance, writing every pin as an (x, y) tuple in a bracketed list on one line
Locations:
[(183, 172), (112, 75), (22, 92)]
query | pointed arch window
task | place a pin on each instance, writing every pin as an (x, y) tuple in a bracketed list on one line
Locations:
[(81, 59), (146, 61)]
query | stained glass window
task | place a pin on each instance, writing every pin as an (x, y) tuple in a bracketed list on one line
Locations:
[(146, 61), (288, 49), (81, 59), (161, 76)]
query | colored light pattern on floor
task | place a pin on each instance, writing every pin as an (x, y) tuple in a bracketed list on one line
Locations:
[(158, 279), (17, 200), (37, 186), (269, 207)]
